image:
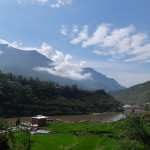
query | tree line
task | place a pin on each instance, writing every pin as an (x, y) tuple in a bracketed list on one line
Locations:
[(21, 96)]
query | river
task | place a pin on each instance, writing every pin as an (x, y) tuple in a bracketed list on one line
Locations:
[(111, 116), (95, 117)]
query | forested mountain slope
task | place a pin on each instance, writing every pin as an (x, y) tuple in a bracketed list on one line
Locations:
[(134, 95), (20, 96)]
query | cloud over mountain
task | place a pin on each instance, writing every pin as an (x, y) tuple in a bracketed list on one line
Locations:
[(62, 63)]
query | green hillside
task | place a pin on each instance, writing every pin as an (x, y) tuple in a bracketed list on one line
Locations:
[(134, 95), (20, 96)]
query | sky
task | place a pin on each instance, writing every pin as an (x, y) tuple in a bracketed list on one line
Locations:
[(111, 36)]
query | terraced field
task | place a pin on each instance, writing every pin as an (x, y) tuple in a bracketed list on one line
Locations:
[(82, 136), (71, 142)]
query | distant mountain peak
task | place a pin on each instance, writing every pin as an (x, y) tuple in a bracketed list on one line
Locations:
[(24, 62)]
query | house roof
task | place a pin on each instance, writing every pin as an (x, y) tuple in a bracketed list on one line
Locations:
[(39, 117)]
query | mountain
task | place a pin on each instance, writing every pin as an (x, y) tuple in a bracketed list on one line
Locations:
[(134, 95), (19, 61), (100, 81), (20, 96), (23, 62)]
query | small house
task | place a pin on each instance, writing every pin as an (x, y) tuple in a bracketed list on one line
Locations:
[(39, 120)]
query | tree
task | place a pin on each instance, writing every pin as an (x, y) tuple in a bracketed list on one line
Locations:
[(135, 129), (20, 141), (10, 140), (4, 130)]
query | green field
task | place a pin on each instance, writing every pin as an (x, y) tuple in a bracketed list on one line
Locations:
[(71, 142), (82, 136), (74, 136)]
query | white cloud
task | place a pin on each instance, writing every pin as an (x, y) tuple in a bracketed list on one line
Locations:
[(3, 41), (100, 52), (115, 41), (83, 64), (55, 5), (119, 39), (45, 49), (51, 3), (60, 58), (118, 43), (64, 30), (42, 1), (63, 66), (62, 63), (1, 52), (60, 3), (83, 35), (67, 69), (75, 29), (141, 57), (98, 36)]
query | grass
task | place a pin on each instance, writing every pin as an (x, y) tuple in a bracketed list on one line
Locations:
[(53, 141), (71, 142), (79, 127), (76, 136)]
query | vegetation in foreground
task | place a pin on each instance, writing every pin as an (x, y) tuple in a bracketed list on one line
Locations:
[(27, 96), (131, 133)]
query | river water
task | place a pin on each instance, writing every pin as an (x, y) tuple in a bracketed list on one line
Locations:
[(95, 117), (111, 116)]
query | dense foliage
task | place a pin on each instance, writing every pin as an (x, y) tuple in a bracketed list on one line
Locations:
[(134, 95), (4, 131), (137, 128), (20, 96)]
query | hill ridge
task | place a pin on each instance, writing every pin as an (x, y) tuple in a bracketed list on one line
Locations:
[(137, 94)]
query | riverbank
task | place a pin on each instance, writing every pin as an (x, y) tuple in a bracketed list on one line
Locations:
[(110, 116)]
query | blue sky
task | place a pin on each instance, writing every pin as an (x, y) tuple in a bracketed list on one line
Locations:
[(111, 36)]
